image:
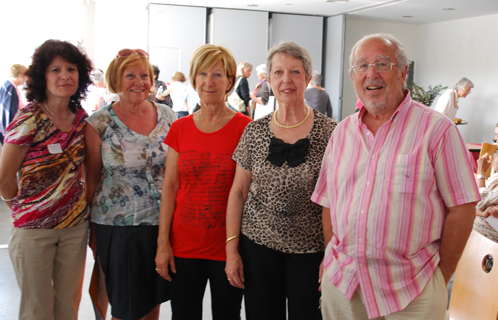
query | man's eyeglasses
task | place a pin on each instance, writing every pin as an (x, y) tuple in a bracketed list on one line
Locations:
[(467, 92), (380, 66), (127, 52)]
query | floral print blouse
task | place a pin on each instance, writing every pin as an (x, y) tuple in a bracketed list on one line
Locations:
[(129, 192)]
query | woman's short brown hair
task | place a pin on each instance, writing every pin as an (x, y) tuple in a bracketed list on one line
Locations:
[(114, 73), (179, 76), (206, 56)]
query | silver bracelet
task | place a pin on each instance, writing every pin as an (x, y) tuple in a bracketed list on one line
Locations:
[(1, 197)]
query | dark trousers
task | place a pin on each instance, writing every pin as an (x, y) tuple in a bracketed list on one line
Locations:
[(182, 114), (188, 286), (275, 281)]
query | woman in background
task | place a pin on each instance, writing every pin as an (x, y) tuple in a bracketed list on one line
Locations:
[(45, 147), (244, 71), (124, 179), (261, 94), (199, 173), (177, 93), (10, 97)]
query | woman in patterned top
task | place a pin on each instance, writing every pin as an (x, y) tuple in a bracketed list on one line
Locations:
[(44, 146), (278, 162), (124, 179)]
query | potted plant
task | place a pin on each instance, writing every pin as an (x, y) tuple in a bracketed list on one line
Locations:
[(425, 97)]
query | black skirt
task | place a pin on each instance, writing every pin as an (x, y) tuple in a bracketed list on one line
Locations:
[(127, 256)]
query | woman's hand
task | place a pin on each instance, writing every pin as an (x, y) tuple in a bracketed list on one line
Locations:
[(253, 96), (165, 261), (491, 211), (483, 163), (235, 270)]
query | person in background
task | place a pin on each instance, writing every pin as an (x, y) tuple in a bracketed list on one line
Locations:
[(10, 97), (159, 88), (199, 174), (448, 101), (395, 222), (177, 92), (488, 206), (261, 94), (244, 71), (191, 98), (124, 176), (270, 215), (316, 96), (96, 92), (41, 171)]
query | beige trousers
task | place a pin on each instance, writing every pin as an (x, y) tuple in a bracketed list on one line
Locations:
[(49, 266), (429, 305)]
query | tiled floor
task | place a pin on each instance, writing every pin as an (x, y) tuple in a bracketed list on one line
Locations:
[(9, 291)]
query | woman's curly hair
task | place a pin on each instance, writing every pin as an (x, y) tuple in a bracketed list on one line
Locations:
[(43, 56)]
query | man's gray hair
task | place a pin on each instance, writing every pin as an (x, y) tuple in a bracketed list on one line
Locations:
[(401, 57), (294, 50), (463, 83), (316, 79)]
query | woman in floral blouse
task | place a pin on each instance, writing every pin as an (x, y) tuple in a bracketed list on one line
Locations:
[(124, 179)]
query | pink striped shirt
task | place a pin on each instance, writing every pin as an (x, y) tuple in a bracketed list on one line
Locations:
[(387, 195)]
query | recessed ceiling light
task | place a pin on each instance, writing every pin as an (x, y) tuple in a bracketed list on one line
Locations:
[(449, 9), (336, 0), (407, 16), (288, 4), (252, 5)]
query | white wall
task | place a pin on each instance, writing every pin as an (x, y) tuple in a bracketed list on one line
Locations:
[(355, 30), (333, 64), (171, 40), (244, 33), (27, 24), (468, 48)]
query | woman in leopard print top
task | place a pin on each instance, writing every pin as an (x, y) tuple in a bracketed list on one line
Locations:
[(278, 162)]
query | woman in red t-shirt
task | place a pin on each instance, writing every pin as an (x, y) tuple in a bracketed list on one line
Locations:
[(199, 175)]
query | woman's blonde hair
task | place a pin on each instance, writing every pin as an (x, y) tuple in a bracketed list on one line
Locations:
[(16, 69), (243, 65), (114, 73), (207, 56)]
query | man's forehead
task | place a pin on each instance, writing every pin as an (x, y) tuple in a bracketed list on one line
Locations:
[(380, 46), (377, 58)]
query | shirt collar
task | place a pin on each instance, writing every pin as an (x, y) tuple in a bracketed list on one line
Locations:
[(405, 104)]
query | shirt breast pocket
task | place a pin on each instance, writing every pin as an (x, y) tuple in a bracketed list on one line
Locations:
[(411, 174)]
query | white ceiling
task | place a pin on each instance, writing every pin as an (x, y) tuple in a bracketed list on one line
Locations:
[(420, 11)]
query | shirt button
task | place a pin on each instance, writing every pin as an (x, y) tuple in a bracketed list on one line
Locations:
[(359, 240), (368, 133), (354, 279), (368, 183), (362, 211), (361, 266)]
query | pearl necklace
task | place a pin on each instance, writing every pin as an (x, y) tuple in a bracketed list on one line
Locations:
[(294, 125), (212, 125), (55, 114)]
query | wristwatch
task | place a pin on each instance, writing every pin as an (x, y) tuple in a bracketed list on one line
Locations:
[(481, 176)]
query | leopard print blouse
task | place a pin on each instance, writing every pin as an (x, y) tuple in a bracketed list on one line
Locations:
[(278, 212)]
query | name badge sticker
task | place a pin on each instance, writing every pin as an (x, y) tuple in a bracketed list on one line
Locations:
[(54, 148)]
